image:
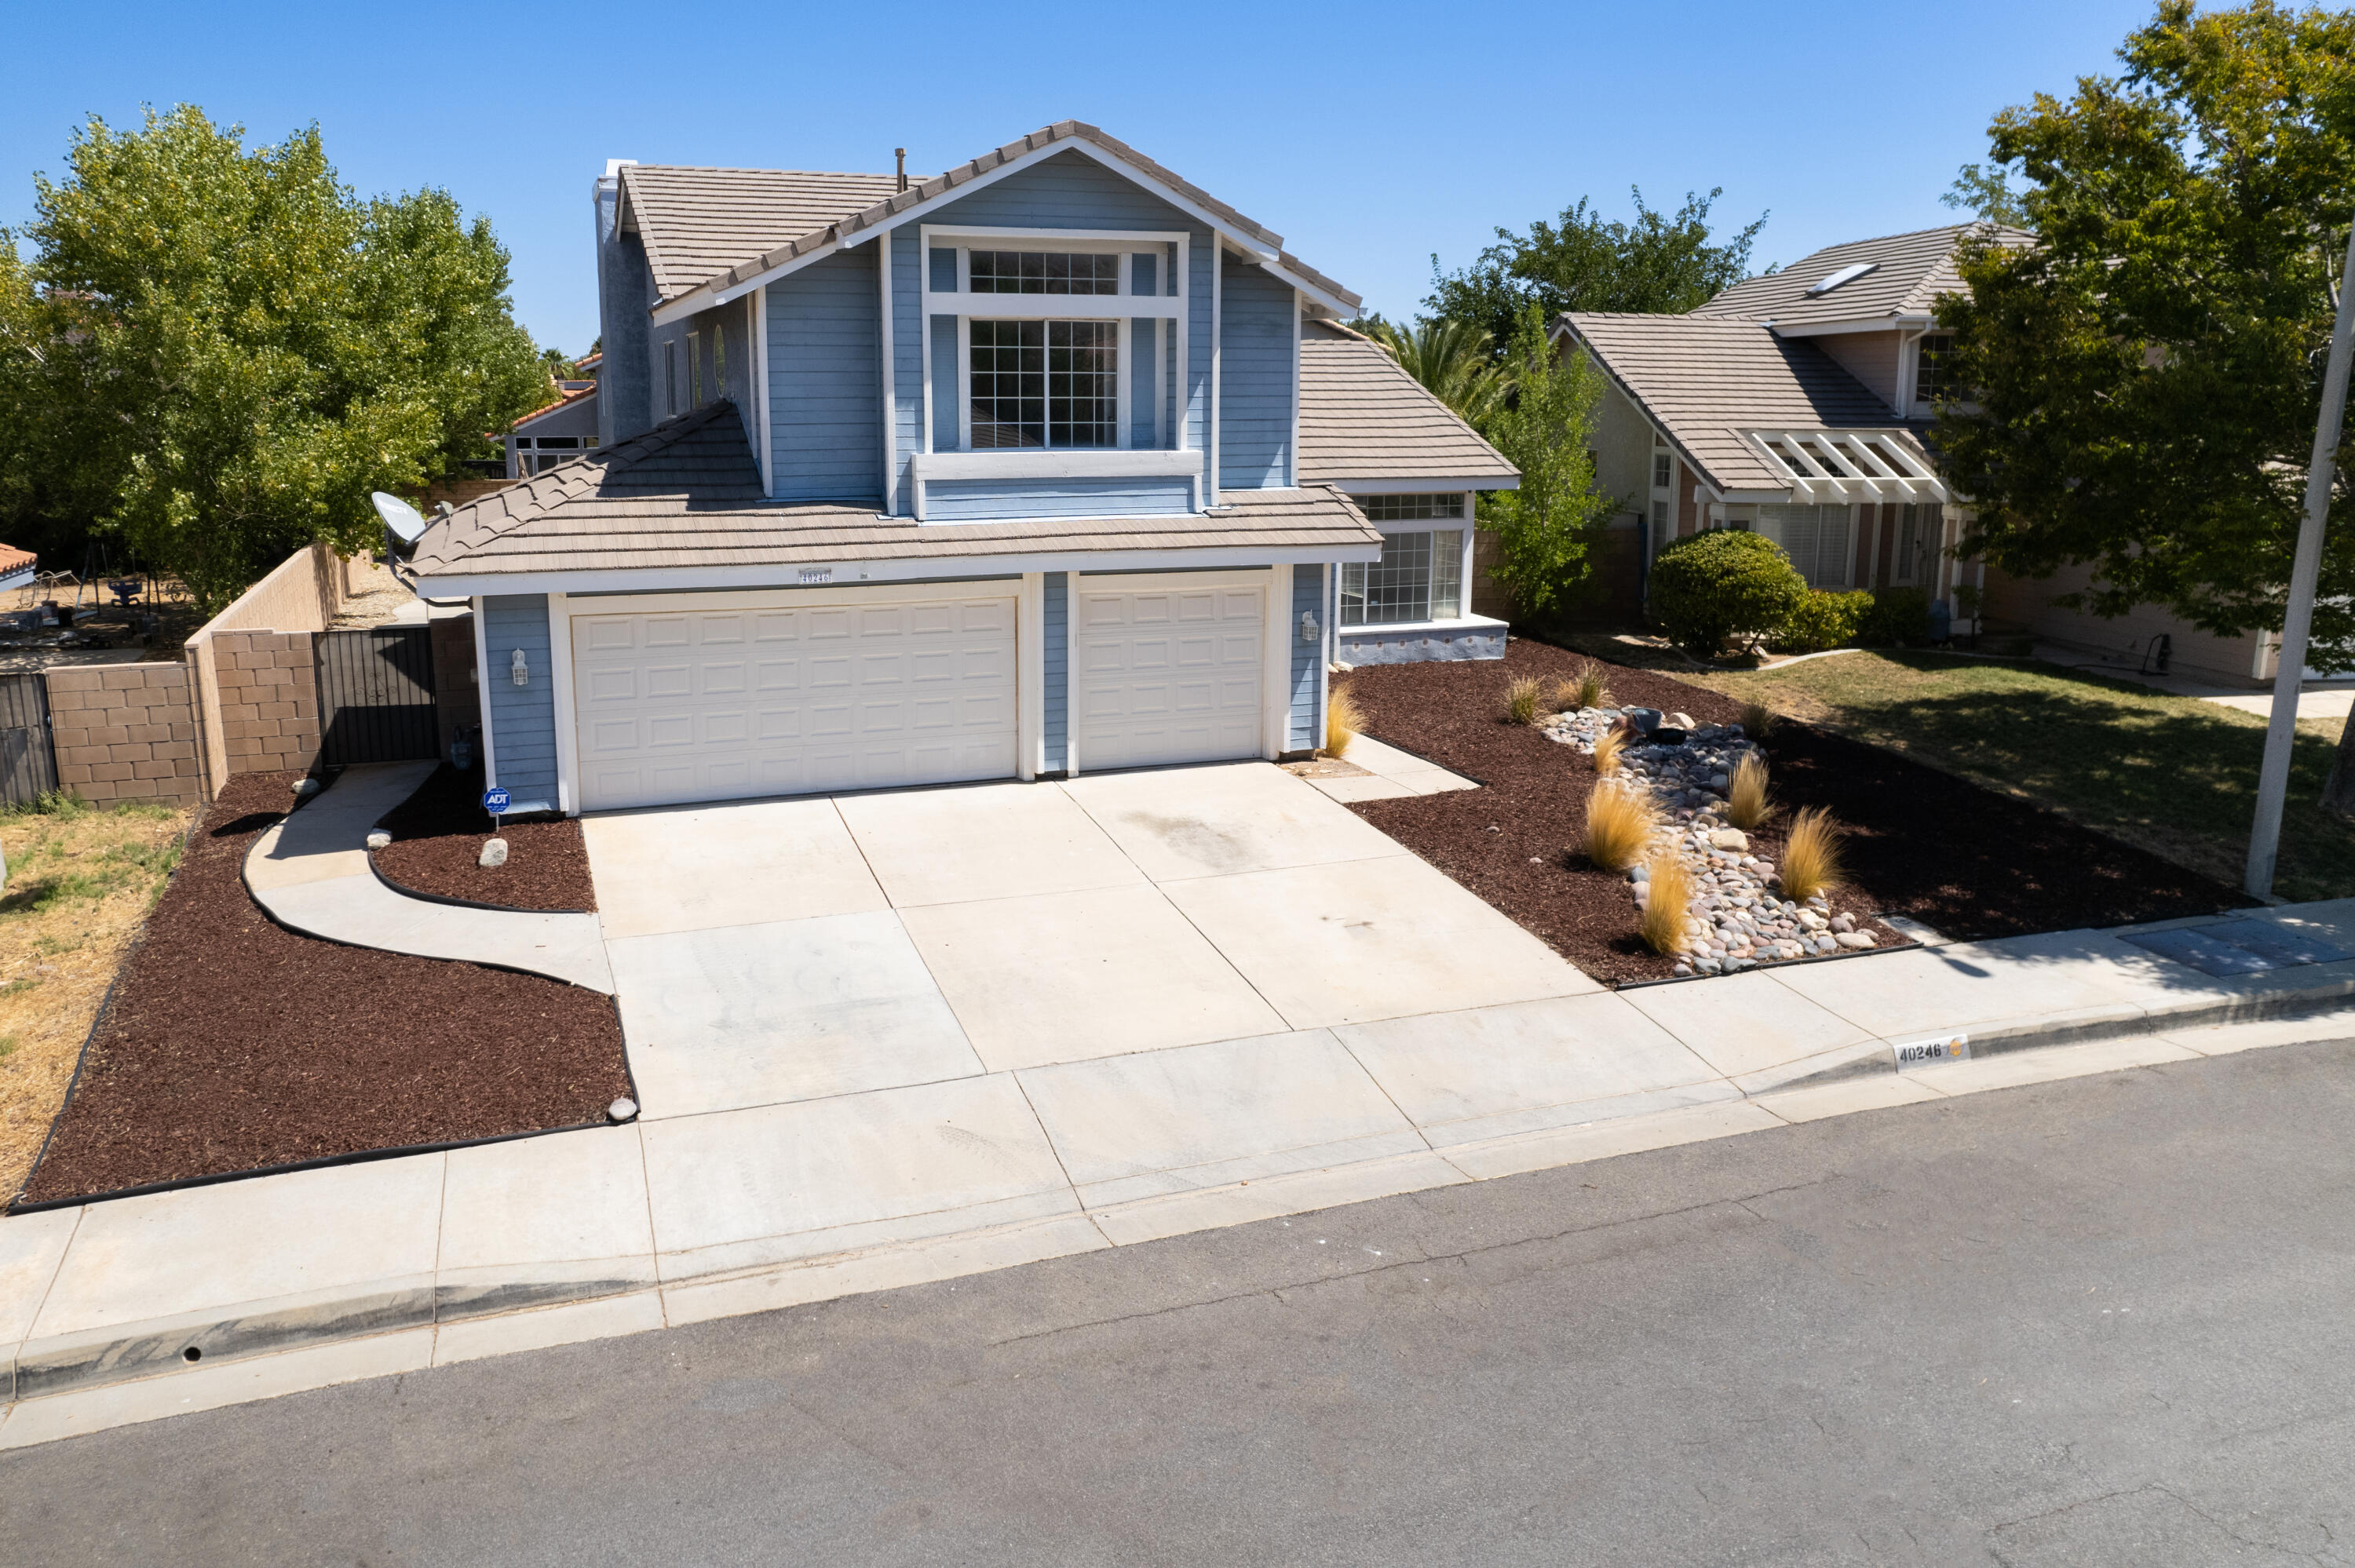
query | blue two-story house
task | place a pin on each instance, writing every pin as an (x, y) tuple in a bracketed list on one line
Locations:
[(1051, 462)]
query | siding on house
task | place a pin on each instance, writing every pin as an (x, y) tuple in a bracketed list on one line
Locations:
[(1307, 729), (906, 262), (1259, 330), (1870, 356), (980, 500), (1055, 711), (824, 385), (523, 719), (625, 289)]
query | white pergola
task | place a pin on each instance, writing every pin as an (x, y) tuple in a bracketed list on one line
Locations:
[(1833, 466)]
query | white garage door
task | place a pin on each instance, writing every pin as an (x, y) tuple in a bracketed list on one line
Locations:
[(1168, 670), (846, 691)]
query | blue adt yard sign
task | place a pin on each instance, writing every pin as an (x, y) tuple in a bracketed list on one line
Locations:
[(495, 801)]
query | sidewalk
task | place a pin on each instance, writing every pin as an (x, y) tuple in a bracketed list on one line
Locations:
[(130, 1309)]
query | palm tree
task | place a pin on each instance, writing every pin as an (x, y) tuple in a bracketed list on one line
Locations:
[(1453, 359)]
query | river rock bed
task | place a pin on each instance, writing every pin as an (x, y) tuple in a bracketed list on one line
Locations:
[(1740, 918)]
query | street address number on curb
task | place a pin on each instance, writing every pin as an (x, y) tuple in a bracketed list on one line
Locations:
[(1929, 1053)]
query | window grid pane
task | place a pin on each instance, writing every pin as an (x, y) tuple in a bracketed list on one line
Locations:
[(1398, 586), (1044, 272), (1410, 508), (1447, 574), (1009, 384), (1353, 593), (1082, 384)]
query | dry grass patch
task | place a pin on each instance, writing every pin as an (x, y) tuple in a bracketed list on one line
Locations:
[(81, 881), (1759, 721), (1586, 687), (1811, 859), (1747, 804), (1668, 907), (1619, 824), (1342, 719), (1525, 699)]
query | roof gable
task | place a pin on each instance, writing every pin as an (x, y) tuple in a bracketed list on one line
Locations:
[(1906, 274)]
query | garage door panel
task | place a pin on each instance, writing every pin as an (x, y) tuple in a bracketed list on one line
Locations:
[(1168, 675), (678, 707)]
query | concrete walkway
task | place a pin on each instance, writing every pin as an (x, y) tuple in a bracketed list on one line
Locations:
[(311, 873), (1390, 774), (850, 1085)]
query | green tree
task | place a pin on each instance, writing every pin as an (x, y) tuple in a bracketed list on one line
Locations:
[(2149, 373), (1984, 190), (229, 350), (1661, 262), (1453, 360), (1548, 529)]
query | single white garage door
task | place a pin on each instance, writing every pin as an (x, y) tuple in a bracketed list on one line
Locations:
[(847, 690), (1169, 670)]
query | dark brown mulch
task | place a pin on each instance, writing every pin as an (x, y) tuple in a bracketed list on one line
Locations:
[(438, 835), (233, 1045), (1920, 842)]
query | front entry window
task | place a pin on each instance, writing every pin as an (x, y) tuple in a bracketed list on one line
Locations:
[(1046, 384)]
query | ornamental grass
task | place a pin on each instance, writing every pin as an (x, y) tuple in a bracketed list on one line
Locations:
[(1619, 818), (1608, 746), (1585, 687), (1759, 721), (1525, 699), (1747, 804), (1668, 906), (1811, 861), (1342, 719)]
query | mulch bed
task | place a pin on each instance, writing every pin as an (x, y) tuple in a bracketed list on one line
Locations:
[(233, 1045), (1921, 843), (438, 835)]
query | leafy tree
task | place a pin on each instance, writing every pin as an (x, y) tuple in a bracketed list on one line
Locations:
[(228, 350), (1454, 362), (1984, 190), (1660, 263), (1547, 530), (2149, 373)]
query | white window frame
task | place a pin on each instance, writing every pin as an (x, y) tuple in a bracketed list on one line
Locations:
[(1465, 524)]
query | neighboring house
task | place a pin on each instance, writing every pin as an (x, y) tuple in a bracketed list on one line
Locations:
[(18, 569), (557, 433), (1043, 464), (1797, 403)]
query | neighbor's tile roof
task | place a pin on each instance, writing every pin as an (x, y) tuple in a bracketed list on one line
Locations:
[(687, 493), (696, 223), (13, 560), (1909, 272), (1706, 381), (1363, 418)]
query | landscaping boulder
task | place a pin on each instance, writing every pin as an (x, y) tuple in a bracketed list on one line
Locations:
[(495, 854), (1730, 839)]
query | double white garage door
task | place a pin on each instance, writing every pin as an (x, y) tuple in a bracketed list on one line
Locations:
[(852, 689)]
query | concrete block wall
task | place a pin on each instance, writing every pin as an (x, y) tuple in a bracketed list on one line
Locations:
[(124, 732), (269, 693)]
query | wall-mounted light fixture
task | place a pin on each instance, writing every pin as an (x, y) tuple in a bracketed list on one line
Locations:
[(1308, 626), (520, 668)]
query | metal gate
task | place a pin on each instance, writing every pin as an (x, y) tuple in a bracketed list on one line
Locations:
[(28, 761), (376, 695)]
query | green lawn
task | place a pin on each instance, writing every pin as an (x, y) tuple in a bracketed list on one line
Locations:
[(2175, 775)]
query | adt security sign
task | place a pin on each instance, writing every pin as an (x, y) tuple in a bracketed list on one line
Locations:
[(1930, 1052), (495, 801)]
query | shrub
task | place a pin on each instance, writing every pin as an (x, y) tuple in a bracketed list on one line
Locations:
[(1525, 699), (1584, 689), (1824, 620), (1747, 806), (1724, 585), (1619, 824), (1758, 720), (1342, 719), (1811, 862), (1668, 907), (1608, 746), (1900, 618)]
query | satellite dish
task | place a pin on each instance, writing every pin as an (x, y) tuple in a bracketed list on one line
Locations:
[(400, 520)]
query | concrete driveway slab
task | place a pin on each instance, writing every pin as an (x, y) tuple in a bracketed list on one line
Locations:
[(1500, 1071), (536, 1220), (1202, 1116), (982, 841), (1746, 1022), (1359, 940), (743, 1188), (1069, 976), (1224, 818), (794, 1009), (693, 868)]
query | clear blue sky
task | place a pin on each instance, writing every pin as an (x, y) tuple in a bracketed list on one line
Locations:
[(1369, 136)]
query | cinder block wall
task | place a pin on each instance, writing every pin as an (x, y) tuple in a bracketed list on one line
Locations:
[(269, 700), (124, 732)]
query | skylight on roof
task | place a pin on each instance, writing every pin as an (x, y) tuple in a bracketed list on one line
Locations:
[(1848, 274)]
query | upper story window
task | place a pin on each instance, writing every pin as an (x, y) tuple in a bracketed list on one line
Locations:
[(1663, 471), (1411, 508), (1045, 383), (1933, 380), (1043, 272)]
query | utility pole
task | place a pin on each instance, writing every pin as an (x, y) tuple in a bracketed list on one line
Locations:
[(2281, 733)]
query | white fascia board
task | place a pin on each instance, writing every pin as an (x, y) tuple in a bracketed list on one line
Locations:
[(1434, 486), (1051, 462), (1831, 329), (958, 568)]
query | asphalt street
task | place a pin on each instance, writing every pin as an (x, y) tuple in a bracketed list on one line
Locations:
[(2108, 1320)]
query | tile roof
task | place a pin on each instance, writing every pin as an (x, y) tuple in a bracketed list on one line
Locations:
[(1706, 381), (565, 400), (1364, 417), (13, 560), (695, 224), (687, 493), (1909, 272)]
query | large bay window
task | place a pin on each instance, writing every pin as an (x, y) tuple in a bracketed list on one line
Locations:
[(1420, 576)]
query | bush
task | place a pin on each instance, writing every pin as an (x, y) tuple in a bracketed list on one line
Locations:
[(1824, 620), (1900, 618), (1726, 584)]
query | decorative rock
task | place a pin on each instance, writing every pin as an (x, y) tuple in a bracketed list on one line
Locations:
[(378, 838), (622, 1109), (1643, 721), (1843, 923), (306, 788), (1857, 939), (1811, 921), (1682, 721), (1730, 839), (495, 854)]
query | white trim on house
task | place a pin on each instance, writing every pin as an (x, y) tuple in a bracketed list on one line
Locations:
[(890, 382), (1210, 432), (1030, 677), (483, 687), (1856, 464), (761, 375), (1418, 486), (1831, 329), (1050, 307), (568, 742), (1058, 462), (1275, 654)]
